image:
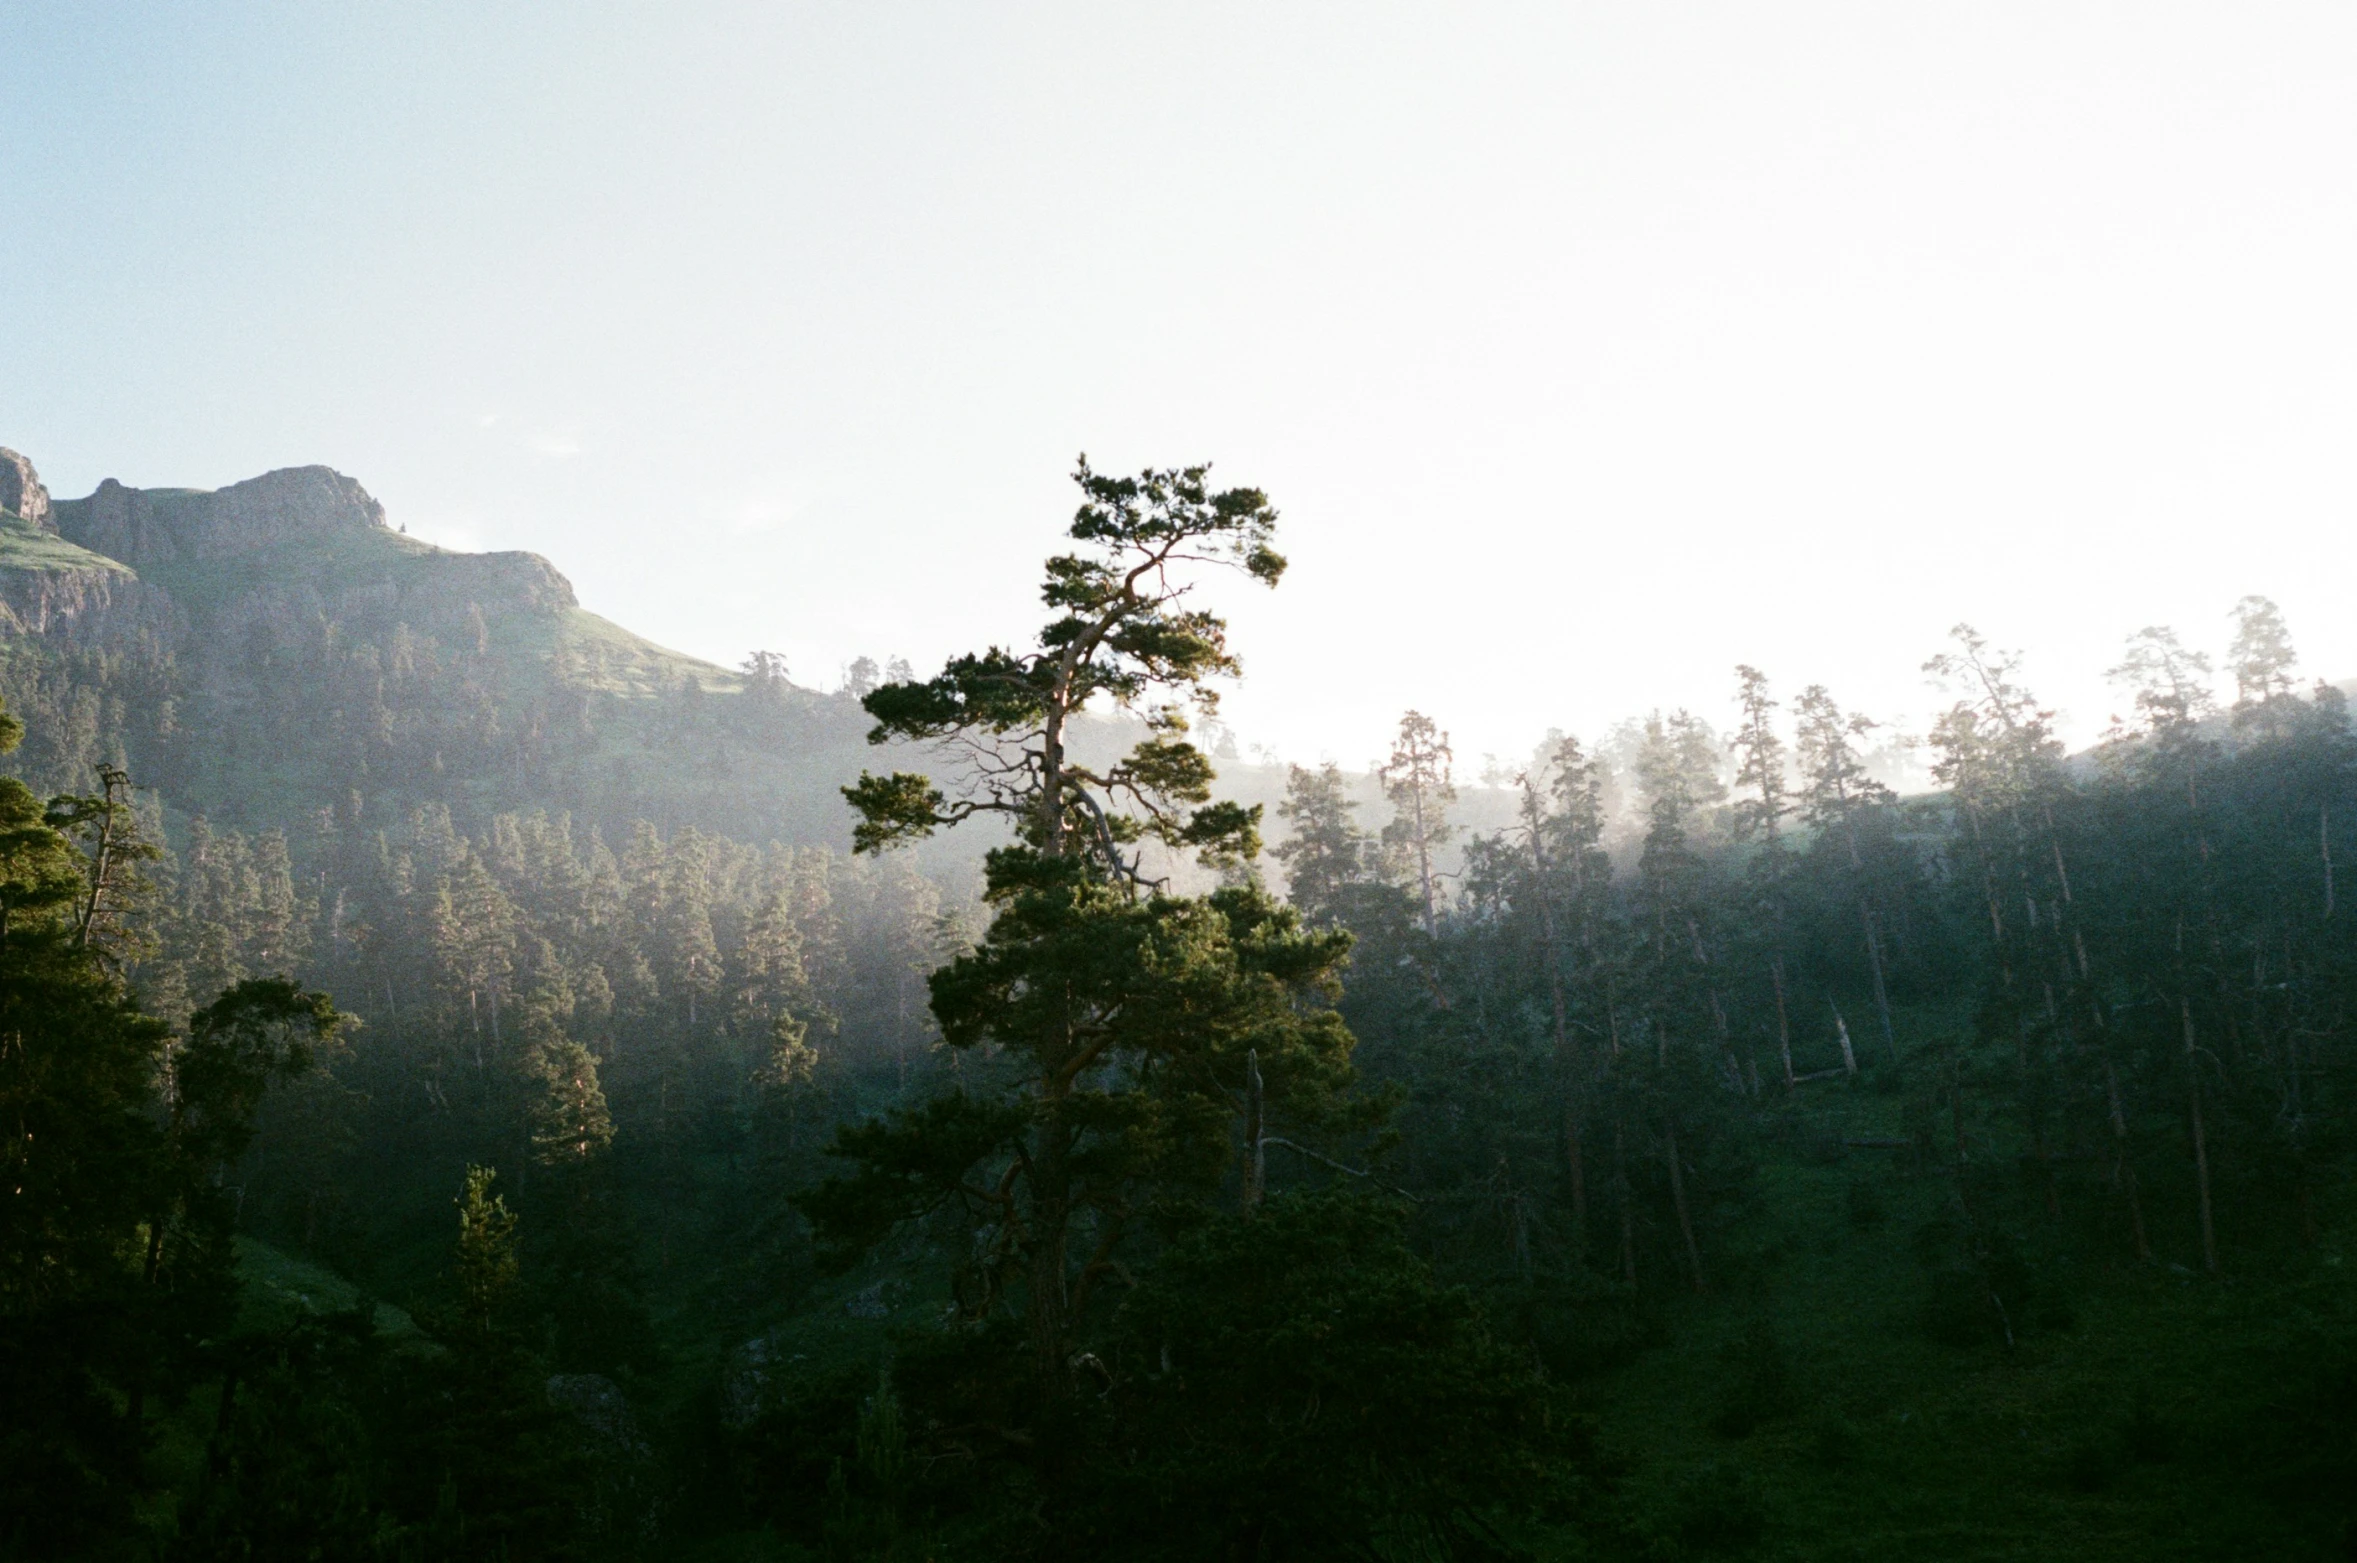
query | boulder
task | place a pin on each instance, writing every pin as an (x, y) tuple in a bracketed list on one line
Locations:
[(598, 1404)]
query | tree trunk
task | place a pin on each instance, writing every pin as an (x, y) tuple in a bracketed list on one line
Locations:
[(1424, 866), (1727, 1042), (2324, 848), (1956, 1124), (1050, 1216), (1579, 1178), (1882, 997), (2201, 1144), (1678, 1198), (1783, 1022), (1255, 1144), (2123, 1168), (1628, 1215), (1564, 1056), (102, 862)]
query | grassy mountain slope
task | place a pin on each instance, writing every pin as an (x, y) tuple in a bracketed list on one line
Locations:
[(24, 546)]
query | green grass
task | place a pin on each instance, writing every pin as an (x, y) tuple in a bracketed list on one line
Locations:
[(24, 546), (2120, 1425), (600, 654), (277, 1289)]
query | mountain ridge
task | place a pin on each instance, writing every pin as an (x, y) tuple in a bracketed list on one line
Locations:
[(275, 647)]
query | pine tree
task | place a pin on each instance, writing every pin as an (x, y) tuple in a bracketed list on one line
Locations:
[(2003, 763), (1417, 781), (1127, 1018), (690, 954), (484, 1270), (1758, 818), (2261, 660), (1837, 798), (1325, 853), (474, 931), (570, 1122)]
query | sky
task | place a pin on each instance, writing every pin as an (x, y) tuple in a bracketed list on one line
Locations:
[(1587, 350)]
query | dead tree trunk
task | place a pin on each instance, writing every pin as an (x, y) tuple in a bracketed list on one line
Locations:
[(1882, 997), (1783, 1021), (1841, 1032)]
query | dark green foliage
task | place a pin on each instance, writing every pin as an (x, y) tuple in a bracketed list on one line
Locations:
[(290, 1465), (1299, 1384), (1759, 1384), (1718, 1509)]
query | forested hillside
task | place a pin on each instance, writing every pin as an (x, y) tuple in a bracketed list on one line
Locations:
[(472, 1101)]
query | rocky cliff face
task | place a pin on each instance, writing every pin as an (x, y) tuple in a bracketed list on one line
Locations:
[(263, 563), (86, 608), (21, 491), (66, 595), (147, 528), (274, 650)]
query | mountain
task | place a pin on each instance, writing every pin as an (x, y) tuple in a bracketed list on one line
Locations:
[(271, 649)]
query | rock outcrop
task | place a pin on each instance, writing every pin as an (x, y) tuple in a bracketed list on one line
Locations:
[(149, 527), (266, 563), (86, 608), (21, 491), (62, 593)]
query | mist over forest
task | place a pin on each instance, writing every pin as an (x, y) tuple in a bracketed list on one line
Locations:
[(482, 1085)]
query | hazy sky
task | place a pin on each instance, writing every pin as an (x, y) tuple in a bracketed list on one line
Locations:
[(1587, 349)]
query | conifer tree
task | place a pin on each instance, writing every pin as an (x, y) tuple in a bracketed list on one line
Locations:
[(691, 968), (474, 943), (570, 1121), (484, 1269), (1758, 817), (1678, 770), (1837, 797), (1128, 1019), (771, 979), (1326, 856), (1417, 781), (1999, 754), (2261, 659), (1551, 949)]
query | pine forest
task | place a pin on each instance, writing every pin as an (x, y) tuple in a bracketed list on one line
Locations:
[(478, 1085)]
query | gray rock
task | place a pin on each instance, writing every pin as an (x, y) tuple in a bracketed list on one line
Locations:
[(746, 1382), (147, 527), (21, 490), (86, 608), (599, 1405), (306, 522)]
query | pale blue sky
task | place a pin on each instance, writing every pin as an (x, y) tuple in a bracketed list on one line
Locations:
[(1588, 349)]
